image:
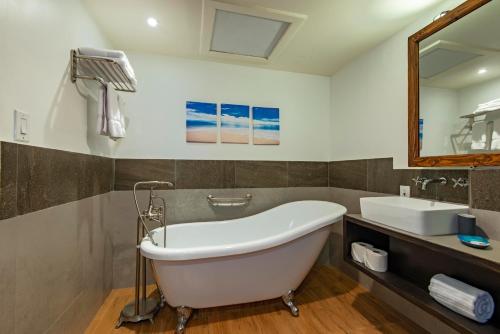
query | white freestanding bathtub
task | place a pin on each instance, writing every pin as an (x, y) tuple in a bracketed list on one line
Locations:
[(243, 260)]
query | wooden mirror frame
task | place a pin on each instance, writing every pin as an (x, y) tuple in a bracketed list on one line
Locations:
[(414, 158)]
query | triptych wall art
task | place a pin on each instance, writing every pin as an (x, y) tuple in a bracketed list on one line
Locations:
[(236, 122)]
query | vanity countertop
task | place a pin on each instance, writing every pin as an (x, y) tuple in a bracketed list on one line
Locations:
[(491, 254)]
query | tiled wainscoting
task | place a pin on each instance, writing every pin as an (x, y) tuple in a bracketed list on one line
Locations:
[(55, 267), (214, 174), (55, 249), (67, 238), (377, 175), (35, 178)]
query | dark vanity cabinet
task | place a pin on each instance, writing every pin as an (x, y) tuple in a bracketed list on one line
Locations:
[(414, 259)]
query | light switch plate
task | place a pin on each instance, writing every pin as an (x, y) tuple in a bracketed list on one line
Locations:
[(404, 191), (21, 126)]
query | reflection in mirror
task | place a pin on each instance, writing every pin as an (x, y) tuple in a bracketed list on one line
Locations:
[(460, 86)]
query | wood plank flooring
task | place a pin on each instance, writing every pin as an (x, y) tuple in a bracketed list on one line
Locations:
[(328, 300)]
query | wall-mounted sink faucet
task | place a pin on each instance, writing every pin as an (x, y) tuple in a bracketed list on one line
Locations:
[(441, 180), (423, 181)]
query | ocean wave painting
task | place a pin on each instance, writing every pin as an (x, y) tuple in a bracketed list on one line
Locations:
[(266, 126), (201, 122), (235, 123)]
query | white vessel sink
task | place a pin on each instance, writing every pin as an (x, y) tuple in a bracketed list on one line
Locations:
[(414, 215)]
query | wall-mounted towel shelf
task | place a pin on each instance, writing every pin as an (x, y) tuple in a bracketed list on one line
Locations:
[(223, 201), (480, 113), (100, 69)]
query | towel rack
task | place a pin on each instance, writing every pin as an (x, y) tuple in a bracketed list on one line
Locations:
[(480, 113), (100, 69), (228, 201)]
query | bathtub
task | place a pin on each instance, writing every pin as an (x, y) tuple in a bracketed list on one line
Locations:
[(244, 260)]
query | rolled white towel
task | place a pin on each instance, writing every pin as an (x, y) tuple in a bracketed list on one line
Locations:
[(462, 298), (358, 251)]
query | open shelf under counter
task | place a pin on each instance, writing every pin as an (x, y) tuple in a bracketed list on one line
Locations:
[(414, 259)]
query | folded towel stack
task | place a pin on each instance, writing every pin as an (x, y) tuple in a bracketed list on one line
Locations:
[(462, 298), (119, 56), (488, 106)]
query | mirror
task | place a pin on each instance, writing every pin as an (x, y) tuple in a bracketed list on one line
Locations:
[(456, 90)]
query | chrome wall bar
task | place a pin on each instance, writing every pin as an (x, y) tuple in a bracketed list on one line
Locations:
[(229, 201)]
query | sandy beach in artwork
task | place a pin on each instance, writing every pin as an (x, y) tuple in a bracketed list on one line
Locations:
[(201, 135), (234, 136), (265, 141), (266, 137)]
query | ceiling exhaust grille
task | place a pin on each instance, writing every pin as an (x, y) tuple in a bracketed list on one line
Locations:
[(246, 33)]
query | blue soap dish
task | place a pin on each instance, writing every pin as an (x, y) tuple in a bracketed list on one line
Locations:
[(474, 241)]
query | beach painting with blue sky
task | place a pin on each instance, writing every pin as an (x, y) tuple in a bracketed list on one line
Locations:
[(201, 122), (235, 123), (266, 126)]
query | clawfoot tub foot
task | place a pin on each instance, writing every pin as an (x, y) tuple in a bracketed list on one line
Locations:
[(183, 314), (288, 300)]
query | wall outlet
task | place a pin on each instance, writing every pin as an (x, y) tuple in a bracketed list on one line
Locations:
[(404, 191), (21, 126)]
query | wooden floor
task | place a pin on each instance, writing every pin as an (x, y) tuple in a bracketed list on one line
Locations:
[(329, 302)]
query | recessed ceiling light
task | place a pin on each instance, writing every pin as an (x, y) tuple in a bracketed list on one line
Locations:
[(482, 71), (152, 22)]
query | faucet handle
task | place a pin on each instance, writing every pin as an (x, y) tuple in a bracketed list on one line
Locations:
[(418, 180), (461, 182)]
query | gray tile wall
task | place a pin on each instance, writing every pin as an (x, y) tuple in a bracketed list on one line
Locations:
[(35, 178), (377, 175), (55, 267), (373, 175), (221, 174)]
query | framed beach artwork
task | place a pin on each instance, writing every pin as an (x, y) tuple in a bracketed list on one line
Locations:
[(235, 123), (266, 126), (201, 122)]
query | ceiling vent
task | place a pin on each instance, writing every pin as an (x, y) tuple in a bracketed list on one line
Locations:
[(441, 56), (246, 33)]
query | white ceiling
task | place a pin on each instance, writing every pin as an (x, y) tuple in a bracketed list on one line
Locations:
[(335, 30)]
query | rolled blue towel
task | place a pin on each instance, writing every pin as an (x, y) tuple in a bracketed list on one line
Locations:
[(462, 298)]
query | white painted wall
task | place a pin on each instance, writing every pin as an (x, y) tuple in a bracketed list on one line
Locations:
[(157, 111), (369, 100), (473, 95), (444, 131), (35, 41), (439, 110)]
